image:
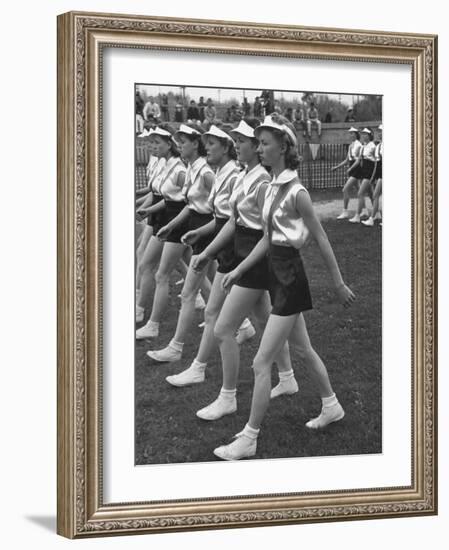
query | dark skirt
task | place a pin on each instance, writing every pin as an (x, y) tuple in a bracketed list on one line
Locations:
[(355, 172), (198, 220), (153, 218), (378, 172), (225, 258), (245, 239), (367, 169), (172, 209), (289, 287)]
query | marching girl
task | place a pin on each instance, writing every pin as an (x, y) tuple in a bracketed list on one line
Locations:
[(353, 173), (288, 217), (167, 204), (365, 162), (250, 292), (199, 183), (220, 153), (377, 177)]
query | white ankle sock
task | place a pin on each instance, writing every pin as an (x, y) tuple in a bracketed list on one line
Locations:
[(228, 394), (329, 401), (285, 375), (153, 324), (139, 309), (198, 364), (252, 433), (176, 345)]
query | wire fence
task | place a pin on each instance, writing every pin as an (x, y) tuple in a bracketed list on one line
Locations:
[(314, 170)]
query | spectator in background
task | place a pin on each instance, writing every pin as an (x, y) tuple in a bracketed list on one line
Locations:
[(257, 108), (151, 108), (289, 114), (246, 107), (164, 108), (277, 107), (193, 113), (350, 116), (179, 114), (312, 118), (139, 113), (299, 120), (328, 117), (210, 114), (201, 107)]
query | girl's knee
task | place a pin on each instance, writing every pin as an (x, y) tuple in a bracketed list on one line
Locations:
[(210, 314), (223, 331), (262, 365), (188, 295), (161, 276)]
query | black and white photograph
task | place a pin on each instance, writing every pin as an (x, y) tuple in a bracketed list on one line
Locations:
[(258, 273)]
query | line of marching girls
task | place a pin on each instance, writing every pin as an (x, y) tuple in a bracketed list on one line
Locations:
[(240, 204), (364, 170)]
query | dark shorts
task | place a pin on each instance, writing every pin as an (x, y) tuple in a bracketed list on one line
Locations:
[(378, 173), (198, 220), (153, 218), (367, 169), (355, 172), (245, 239), (172, 209), (289, 287), (225, 258)]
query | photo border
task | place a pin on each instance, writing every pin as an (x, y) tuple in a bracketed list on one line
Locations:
[(81, 39)]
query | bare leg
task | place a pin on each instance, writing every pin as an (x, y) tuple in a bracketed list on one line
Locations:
[(143, 243), (349, 185), (150, 260), (171, 254), (364, 189)]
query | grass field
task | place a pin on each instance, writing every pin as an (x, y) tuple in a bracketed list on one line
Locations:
[(349, 341)]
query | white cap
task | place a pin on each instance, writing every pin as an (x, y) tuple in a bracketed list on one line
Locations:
[(366, 131), (215, 131), (352, 129), (381, 126), (161, 132), (270, 123), (244, 129), (184, 129)]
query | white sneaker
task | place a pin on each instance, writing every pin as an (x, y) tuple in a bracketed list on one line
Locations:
[(343, 216), (242, 447), (180, 282), (192, 375), (328, 414), (140, 313), (220, 407), (202, 324), (355, 219), (369, 222), (166, 355), (199, 301), (147, 331), (244, 334), (285, 387)]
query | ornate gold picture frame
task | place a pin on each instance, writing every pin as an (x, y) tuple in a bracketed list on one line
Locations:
[(82, 38)]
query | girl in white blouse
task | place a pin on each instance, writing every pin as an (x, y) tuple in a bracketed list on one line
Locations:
[(365, 162), (221, 154), (168, 185), (250, 291), (198, 211), (288, 217), (377, 177), (352, 171)]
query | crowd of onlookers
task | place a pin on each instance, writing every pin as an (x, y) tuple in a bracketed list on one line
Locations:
[(305, 116)]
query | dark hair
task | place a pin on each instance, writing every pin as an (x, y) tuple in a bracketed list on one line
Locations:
[(170, 140), (196, 138), (371, 135), (357, 134), (291, 159), (232, 153)]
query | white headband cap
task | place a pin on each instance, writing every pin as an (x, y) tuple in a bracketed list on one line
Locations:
[(270, 123), (244, 129), (184, 129), (215, 131)]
